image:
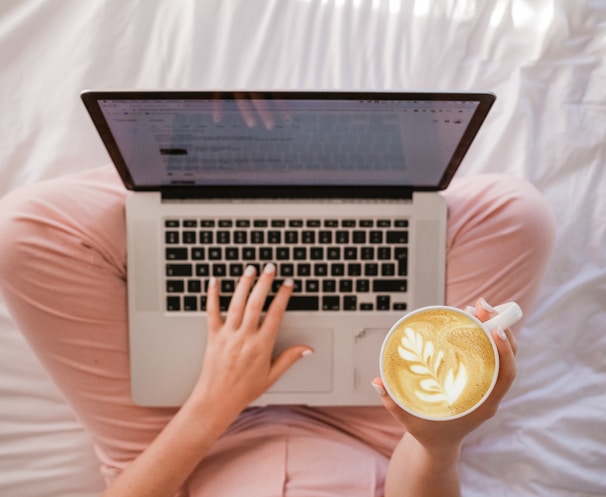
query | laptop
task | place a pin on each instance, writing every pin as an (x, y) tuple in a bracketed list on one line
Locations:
[(339, 189)]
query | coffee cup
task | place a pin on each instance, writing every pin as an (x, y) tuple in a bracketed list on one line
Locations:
[(441, 362)]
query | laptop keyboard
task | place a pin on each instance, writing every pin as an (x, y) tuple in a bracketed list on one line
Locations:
[(336, 264)]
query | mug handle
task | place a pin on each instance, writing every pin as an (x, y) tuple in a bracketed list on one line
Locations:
[(508, 314)]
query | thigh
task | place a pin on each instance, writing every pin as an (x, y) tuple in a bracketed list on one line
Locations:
[(63, 278)]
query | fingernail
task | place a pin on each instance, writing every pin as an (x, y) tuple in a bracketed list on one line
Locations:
[(307, 352), (379, 389), (289, 282), (486, 306), (501, 334), (250, 271), (269, 268), (212, 281)]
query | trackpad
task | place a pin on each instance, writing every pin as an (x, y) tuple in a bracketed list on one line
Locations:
[(312, 373)]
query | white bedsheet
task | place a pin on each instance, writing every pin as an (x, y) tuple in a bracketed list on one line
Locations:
[(543, 58)]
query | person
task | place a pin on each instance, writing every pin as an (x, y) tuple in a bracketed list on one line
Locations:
[(62, 275)]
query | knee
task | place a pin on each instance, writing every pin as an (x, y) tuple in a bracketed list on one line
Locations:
[(502, 208), (521, 206), (17, 226)]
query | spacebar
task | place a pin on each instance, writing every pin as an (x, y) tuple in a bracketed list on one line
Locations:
[(303, 303)]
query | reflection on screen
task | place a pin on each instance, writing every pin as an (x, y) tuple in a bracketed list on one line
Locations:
[(287, 142)]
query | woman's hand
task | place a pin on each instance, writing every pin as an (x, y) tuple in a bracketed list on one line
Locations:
[(238, 365), (444, 435)]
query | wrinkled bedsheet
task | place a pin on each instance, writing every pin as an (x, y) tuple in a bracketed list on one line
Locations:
[(544, 59)]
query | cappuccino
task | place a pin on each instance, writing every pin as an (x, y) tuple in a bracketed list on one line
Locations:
[(439, 363)]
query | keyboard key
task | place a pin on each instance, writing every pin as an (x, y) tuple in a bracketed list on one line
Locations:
[(388, 269), (283, 253), (350, 253), (316, 253), (345, 286), (176, 254), (274, 237), (329, 286), (215, 254), (367, 253), (299, 253), (291, 237), (397, 236), (333, 253), (240, 237), (224, 237), (303, 303), (232, 254), (202, 270), (383, 302), (257, 237), (171, 223), (249, 254), (389, 285), (194, 286), (197, 253), (190, 303), (171, 237), (375, 237), (189, 237), (205, 237), (236, 270), (330, 303), (342, 237), (219, 270), (266, 254), (179, 270), (175, 286), (350, 303), (303, 269), (173, 303)]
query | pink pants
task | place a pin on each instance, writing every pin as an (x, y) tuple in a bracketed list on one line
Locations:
[(62, 273)]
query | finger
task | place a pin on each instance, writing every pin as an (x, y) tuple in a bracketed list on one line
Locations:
[(507, 363), (262, 108), (484, 310), (394, 409), (276, 310), (216, 108), (237, 303), (213, 311), (246, 110), (286, 359), (257, 298)]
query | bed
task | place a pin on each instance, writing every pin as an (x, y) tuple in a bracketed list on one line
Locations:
[(545, 61)]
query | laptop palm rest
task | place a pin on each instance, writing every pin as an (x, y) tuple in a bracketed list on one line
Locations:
[(313, 373)]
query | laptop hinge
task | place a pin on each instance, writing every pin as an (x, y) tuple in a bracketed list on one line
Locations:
[(276, 192)]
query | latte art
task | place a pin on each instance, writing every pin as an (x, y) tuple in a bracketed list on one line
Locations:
[(438, 363), (436, 383)]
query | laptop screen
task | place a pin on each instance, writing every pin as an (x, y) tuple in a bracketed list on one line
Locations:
[(298, 140)]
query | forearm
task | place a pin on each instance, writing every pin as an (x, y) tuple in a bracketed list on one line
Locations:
[(165, 465), (415, 471)]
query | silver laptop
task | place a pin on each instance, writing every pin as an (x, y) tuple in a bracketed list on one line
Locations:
[(338, 189)]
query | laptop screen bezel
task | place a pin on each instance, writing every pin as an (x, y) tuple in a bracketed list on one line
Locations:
[(91, 99)]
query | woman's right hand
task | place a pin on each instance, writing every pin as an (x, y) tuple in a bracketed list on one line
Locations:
[(238, 365)]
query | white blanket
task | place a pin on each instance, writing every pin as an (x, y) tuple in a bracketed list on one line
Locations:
[(543, 58)]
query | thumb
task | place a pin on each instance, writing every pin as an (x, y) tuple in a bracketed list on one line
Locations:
[(286, 359)]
